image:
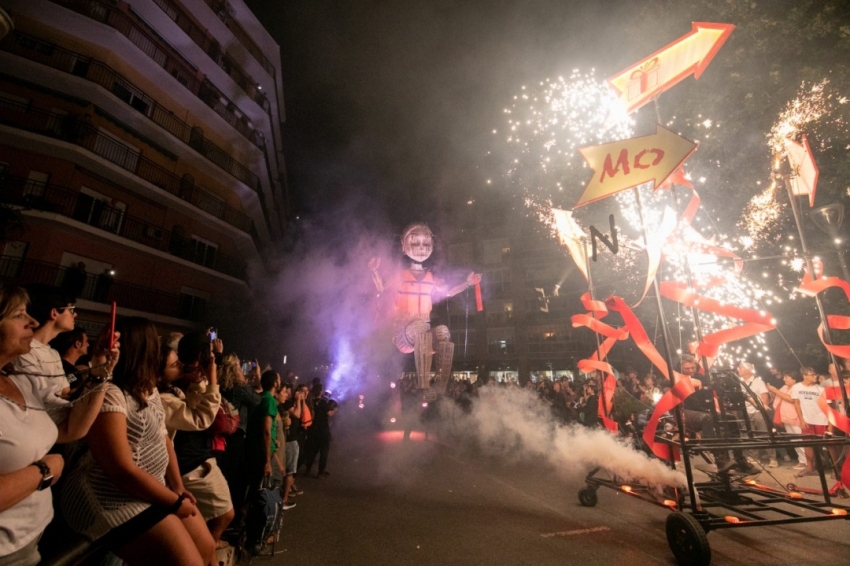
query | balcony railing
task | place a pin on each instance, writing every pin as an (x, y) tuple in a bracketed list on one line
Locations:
[(99, 288), (88, 210), (212, 48), (78, 131), (220, 9), (149, 42), (93, 70)]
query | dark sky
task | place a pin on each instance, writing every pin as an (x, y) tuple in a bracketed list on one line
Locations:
[(397, 99)]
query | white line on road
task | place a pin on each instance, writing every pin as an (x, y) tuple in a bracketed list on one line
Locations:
[(575, 532)]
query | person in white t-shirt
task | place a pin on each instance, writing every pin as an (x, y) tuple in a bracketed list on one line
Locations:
[(746, 371), (55, 313), (812, 418)]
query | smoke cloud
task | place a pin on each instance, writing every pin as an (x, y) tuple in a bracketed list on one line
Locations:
[(324, 295), (514, 425)]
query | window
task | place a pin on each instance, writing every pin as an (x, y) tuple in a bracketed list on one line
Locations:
[(461, 254), (492, 251), (550, 339), (36, 183), (193, 304), (500, 312), (12, 259), (497, 283), (501, 341), (202, 251), (131, 96), (99, 210)]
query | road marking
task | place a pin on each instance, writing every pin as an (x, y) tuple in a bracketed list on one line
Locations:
[(575, 532)]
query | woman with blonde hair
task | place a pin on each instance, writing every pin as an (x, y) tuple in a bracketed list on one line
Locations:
[(28, 432)]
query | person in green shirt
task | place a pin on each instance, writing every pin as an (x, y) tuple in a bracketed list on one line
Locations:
[(261, 438)]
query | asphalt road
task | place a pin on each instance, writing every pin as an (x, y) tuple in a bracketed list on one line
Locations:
[(425, 502)]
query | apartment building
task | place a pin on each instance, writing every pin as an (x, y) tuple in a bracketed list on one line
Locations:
[(141, 142), (519, 335)]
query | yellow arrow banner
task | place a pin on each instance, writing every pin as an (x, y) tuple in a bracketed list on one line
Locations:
[(690, 54), (621, 165)]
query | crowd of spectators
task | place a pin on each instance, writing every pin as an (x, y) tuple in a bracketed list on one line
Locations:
[(164, 436)]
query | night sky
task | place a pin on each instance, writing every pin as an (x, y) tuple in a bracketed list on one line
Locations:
[(398, 99)]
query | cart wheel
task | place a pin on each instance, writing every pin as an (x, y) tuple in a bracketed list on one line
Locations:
[(687, 540), (587, 496), (791, 487)]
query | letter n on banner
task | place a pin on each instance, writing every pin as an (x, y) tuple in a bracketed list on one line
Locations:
[(594, 234)]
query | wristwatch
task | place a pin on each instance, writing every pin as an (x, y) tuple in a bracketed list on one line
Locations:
[(46, 474)]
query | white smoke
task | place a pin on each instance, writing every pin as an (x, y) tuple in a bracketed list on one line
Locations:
[(514, 424)]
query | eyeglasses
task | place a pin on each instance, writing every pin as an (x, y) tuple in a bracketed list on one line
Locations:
[(68, 308)]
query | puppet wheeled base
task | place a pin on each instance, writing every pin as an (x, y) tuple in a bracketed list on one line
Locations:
[(728, 500), (587, 496), (687, 539)]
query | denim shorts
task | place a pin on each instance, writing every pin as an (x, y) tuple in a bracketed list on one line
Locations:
[(291, 457)]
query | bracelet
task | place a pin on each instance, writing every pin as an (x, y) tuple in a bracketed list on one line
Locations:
[(176, 505), (97, 380)]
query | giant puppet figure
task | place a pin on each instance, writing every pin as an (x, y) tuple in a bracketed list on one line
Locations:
[(416, 289)]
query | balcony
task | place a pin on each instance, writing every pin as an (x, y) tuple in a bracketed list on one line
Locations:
[(163, 55), (93, 70), (212, 48), (76, 130), (93, 212), (220, 9), (101, 289)]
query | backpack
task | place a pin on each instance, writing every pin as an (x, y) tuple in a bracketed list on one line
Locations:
[(265, 511)]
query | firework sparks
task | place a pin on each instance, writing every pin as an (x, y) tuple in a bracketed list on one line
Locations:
[(545, 127), (813, 104)]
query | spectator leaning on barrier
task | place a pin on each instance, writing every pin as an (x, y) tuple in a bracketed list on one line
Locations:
[(191, 400), (130, 466), (28, 432)]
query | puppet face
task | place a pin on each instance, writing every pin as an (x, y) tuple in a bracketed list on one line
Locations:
[(417, 243)]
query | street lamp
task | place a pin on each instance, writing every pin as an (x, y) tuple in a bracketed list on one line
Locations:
[(829, 218)]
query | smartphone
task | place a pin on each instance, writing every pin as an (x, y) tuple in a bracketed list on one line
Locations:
[(213, 334), (112, 325), (254, 364)]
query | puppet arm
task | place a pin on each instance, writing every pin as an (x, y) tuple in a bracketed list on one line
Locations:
[(471, 280), (374, 264)]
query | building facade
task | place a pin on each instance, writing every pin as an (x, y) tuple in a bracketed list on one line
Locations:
[(140, 141), (524, 333)]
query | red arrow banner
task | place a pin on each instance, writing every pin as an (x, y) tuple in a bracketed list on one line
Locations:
[(670, 65)]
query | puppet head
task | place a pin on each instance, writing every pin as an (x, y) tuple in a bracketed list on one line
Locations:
[(417, 242)]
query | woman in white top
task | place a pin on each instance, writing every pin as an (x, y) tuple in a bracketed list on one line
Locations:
[(130, 465), (27, 432)]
